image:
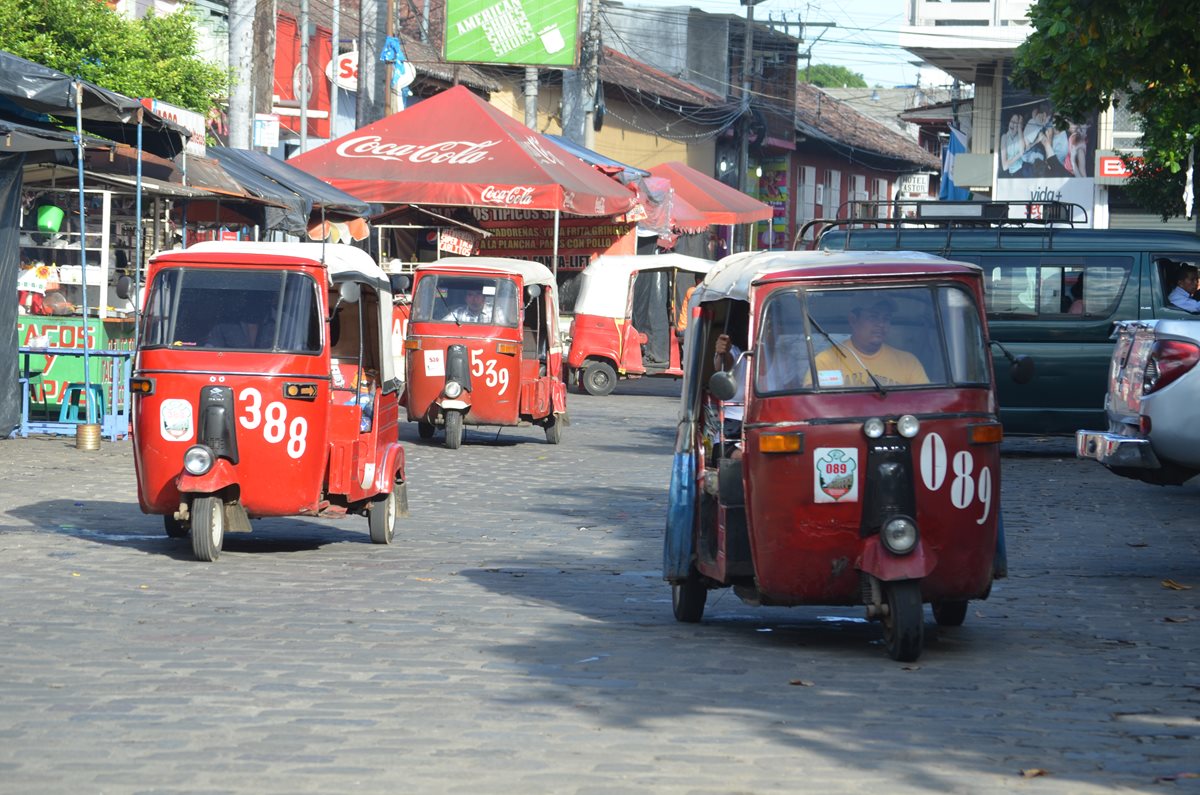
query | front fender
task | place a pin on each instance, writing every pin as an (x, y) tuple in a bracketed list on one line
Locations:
[(221, 476), (883, 565), (458, 404), (392, 469)]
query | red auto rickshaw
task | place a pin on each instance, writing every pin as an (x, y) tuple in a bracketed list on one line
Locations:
[(863, 466), (263, 386), (483, 348), (630, 314)]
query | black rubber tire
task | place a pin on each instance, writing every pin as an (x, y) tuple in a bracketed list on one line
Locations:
[(381, 518), (553, 430), (904, 625), (425, 429), (598, 378), (454, 429), (950, 613), (687, 600), (174, 527), (208, 528)]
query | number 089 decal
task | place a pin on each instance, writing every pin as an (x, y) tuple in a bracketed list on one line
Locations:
[(966, 484), (273, 420)]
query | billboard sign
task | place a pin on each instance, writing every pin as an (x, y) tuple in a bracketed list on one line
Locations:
[(513, 32)]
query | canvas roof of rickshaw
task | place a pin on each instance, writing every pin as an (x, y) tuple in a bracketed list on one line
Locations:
[(604, 284), (735, 274), (530, 272), (340, 260)]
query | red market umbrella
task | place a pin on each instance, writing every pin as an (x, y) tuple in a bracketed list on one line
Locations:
[(716, 201), (455, 149)]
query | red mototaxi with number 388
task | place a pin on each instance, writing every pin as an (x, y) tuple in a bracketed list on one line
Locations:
[(264, 386)]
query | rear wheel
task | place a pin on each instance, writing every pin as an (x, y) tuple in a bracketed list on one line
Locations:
[(688, 598), (553, 430), (174, 527), (598, 378), (904, 624), (950, 613), (454, 429), (381, 518), (425, 429), (208, 527)]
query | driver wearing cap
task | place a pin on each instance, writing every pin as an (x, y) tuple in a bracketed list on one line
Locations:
[(847, 363)]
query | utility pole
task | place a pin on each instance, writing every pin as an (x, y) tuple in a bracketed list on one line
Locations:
[(389, 73), (747, 65), (591, 75), (264, 60), (531, 94), (241, 52), (369, 105)]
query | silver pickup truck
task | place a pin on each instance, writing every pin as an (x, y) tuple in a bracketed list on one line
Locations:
[(1153, 403)]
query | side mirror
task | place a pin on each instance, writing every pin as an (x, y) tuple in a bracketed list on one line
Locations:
[(349, 293), (722, 385), (400, 282), (533, 291), (1022, 370), (124, 288)]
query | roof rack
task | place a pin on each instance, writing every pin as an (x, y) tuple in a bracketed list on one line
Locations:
[(997, 215)]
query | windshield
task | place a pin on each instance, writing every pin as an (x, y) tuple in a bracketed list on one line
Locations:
[(233, 309), (847, 339), (441, 297)]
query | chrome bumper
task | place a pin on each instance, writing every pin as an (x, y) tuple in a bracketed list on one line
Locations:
[(1114, 450)]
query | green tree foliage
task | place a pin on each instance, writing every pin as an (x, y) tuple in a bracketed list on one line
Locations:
[(1086, 54), (829, 76), (151, 57)]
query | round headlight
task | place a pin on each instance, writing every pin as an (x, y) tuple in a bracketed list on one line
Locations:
[(908, 425), (899, 535), (198, 460), (453, 389), (874, 428)]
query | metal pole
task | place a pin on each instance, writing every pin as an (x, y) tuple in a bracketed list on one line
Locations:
[(591, 76), (333, 88), (304, 76), (554, 262), (241, 53), (531, 92), (87, 373)]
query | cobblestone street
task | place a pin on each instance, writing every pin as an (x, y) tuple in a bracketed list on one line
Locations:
[(518, 637)]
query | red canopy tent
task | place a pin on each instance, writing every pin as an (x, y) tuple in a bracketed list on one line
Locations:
[(455, 149), (716, 202)]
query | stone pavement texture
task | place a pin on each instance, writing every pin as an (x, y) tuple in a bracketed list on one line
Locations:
[(517, 637)]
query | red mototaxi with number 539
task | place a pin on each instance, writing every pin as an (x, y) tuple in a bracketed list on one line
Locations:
[(838, 440), (264, 386)]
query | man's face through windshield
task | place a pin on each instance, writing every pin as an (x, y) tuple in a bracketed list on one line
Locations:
[(475, 300), (869, 326)]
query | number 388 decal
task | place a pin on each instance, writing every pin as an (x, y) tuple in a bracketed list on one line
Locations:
[(965, 484), (274, 421)]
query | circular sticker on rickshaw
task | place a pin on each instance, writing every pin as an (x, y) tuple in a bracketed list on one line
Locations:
[(175, 420)]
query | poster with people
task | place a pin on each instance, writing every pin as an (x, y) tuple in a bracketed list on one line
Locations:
[(1039, 161), (773, 190)]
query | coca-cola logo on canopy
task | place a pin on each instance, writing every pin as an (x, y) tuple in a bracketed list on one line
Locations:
[(515, 196), (534, 147), (456, 153)]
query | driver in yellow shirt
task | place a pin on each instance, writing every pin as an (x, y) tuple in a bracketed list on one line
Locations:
[(867, 350)]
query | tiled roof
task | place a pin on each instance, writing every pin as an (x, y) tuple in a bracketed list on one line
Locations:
[(619, 69), (821, 117)]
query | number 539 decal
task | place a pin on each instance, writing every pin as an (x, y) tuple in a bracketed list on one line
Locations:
[(966, 485), (487, 369), (273, 420)]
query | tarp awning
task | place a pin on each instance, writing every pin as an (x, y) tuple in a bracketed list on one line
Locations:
[(713, 199), (30, 92), (321, 194), (454, 149)]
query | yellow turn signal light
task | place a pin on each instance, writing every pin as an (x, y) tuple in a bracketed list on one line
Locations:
[(781, 443), (510, 348), (411, 344), (141, 386), (990, 433)]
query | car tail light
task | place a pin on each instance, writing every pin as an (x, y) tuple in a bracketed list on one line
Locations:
[(1168, 360), (1144, 425)]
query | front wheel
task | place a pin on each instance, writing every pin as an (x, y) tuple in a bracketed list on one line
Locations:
[(904, 624), (381, 518), (208, 527), (454, 429), (553, 430), (688, 598), (598, 378), (950, 613)]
